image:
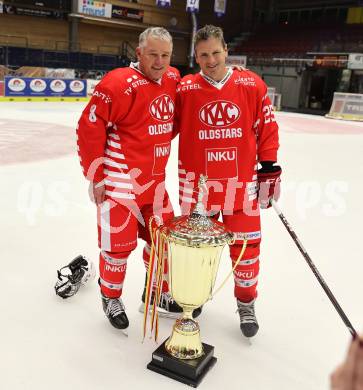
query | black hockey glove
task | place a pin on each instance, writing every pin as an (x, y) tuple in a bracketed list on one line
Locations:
[(268, 177)]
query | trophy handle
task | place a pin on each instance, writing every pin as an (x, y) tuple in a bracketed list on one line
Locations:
[(233, 269)]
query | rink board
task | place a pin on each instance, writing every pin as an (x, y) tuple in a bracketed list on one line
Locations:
[(43, 99)]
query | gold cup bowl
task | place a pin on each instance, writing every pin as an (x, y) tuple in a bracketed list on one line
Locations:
[(195, 245)]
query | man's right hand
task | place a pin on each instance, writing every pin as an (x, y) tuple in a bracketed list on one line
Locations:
[(97, 192)]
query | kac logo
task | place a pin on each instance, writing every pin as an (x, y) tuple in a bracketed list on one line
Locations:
[(219, 113), (162, 108)]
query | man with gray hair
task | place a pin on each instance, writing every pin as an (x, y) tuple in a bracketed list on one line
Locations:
[(124, 137)]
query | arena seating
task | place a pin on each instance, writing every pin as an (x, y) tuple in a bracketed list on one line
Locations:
[(294, 41), (14, 56)]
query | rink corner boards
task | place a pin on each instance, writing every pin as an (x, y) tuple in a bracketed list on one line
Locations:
[(43, 99)]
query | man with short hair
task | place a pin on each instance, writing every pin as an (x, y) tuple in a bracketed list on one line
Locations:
[(227, 127), (124, 137)]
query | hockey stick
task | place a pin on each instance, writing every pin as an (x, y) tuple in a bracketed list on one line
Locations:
[(314, 269)]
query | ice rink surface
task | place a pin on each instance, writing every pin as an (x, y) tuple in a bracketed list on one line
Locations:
[(47, 219)]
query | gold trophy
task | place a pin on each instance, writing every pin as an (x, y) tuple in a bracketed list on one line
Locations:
[(195, 244)]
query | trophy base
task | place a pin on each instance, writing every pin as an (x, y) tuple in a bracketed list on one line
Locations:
[(191, 372)]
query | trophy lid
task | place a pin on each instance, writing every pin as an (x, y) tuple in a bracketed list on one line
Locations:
[(197, 229)]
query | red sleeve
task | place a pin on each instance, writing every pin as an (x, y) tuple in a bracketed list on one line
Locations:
[(101, 113), (266, 127)]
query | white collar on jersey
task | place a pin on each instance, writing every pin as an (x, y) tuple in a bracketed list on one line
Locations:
[(136, 66), (218, 84)]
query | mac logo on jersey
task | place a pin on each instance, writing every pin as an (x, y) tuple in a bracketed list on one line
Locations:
[(162, 108), (219, 113)]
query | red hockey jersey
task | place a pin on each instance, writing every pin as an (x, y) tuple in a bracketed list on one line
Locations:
[(125, 131), (225, 129)]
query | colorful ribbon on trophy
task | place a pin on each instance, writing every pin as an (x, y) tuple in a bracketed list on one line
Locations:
[(154, 325), (149, 278), (154, 279), (235, 264)]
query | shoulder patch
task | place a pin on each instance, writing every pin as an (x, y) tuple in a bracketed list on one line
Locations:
[(188, 83), (249, 81), (172, 75)]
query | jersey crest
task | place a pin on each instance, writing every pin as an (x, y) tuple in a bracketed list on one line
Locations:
[(219, 113), (162, 108)]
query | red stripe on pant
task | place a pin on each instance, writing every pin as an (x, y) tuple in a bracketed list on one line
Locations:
[(146, 258), (112, 273), (246, 273)]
